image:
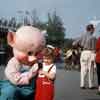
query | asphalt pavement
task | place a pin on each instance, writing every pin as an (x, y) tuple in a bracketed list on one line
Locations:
[(67, 86)]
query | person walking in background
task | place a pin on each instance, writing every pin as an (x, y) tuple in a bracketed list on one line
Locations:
[(87, 58), (46, 77), (98, 62)]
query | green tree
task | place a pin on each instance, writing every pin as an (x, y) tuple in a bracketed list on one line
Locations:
[(68, 43), (55, 29)]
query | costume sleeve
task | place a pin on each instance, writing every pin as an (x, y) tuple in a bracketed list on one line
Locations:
[(25, 77), (33, 70), (12, 71)]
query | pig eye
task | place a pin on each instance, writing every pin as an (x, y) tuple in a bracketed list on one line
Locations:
[(30, 53)]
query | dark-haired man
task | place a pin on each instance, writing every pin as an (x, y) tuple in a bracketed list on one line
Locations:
[(87, 59)]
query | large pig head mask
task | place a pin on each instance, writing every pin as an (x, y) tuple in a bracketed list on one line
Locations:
[(26, 42)]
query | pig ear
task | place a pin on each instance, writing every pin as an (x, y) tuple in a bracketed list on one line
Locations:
[(11, 38), (44, 32)]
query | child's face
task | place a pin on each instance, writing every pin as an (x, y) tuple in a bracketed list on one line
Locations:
[(47, 60)]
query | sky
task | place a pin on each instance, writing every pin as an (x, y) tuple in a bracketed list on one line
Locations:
[(75, 14)]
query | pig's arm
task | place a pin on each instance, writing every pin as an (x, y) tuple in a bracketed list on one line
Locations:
[(12, 71)]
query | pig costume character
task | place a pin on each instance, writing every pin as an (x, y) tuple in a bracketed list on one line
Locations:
[(22, 68)]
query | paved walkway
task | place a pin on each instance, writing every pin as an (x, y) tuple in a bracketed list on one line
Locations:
[(67, 86)]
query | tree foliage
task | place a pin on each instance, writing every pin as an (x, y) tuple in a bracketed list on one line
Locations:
[(55, 29), (53, 25)]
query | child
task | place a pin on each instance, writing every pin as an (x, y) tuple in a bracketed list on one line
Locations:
[(46, 77)]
